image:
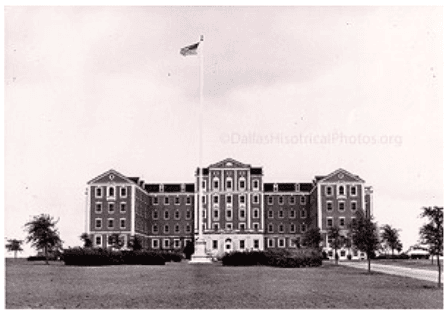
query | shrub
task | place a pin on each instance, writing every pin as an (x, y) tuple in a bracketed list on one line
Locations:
[(100, 257), (273, 258)]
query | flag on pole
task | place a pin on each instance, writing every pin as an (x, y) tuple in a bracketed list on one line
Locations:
[(190, 50)]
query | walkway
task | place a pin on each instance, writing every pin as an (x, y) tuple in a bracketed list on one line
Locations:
[(429, 275)]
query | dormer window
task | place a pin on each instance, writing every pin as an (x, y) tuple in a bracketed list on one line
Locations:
[(275, 187)]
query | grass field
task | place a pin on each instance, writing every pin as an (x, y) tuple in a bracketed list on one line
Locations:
[(180, 286), (417, 264)]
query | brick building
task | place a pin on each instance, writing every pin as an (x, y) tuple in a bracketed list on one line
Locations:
[(240, 211)]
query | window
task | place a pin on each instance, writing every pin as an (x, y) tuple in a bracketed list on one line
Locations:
[(98, 192), (292, 213), (342, 253), (256, 244), (256, 213), (98, 223), (355, 253), (342, 221), (111, 208), (187, 228), (280, 200), (275, 187), (281, 242), (176, 200), (177, 229), (270, 214), (242, 199), (341, 206), (215, 244), (155, 244), (292, 228), (229, 184), (229, 199), (242, 226), (176, 214), (123, 192), (329, 190), (188, 214), (216, 227), (256, 199), (270, 200), (242, 184), (303, 228), (98, 240), (270, 243), (166, 215), (341, 190), (329, 206), (176, 243), (188, 200), (155, 214), (98, 208), (215, 199), (353, 206), (228, 214), (203, 184), (302, 200), (229, 226), (292, 242), (166, 229), (330, 254), (256, 227), (353, 190), (155, 229), (167, 200), (228, 244), (280, 213), (256, 184), (204, 200), (329, 222), (281, 228), (111, 192), (241, 244), (166, 243), (292, 200), (303, 213), (270, 228), (242, 213), (110, 223), (215, 184), (204, 213), (215, 214), (156, 200), (122, 207), (122, 223)]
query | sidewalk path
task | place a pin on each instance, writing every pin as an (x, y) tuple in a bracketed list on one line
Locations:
[(429, 275)]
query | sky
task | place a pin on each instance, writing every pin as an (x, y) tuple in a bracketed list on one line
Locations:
[(299, 91)]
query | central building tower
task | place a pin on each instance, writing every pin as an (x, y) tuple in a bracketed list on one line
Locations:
[(232, 207)]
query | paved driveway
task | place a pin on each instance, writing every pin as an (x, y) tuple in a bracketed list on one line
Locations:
[(429, 275)]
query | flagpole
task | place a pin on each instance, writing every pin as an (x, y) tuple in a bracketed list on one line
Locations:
[(201, 103)]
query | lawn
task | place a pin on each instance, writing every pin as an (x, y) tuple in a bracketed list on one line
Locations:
[(411, 263), (180, 285)]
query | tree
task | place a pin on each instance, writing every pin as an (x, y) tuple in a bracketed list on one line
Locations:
[(364, 234), (389, 236), (43, 234), (431, 233), (86, 239), (312, 238), (336, 241), (14, 246), (135, 243)]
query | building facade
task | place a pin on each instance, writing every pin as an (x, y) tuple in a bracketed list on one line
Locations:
[(240, 211)]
